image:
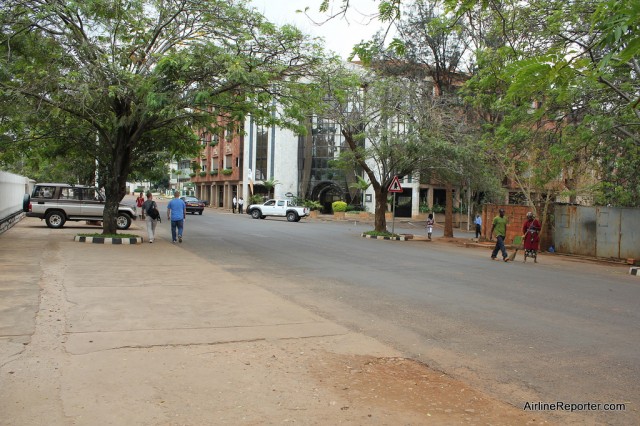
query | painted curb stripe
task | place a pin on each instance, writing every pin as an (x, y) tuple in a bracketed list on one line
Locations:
[(376, 237), (102, 240)]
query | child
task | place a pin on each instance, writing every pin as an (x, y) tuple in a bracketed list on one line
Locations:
[(430, 223)]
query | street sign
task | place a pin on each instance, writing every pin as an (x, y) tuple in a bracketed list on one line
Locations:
[(395, 185)]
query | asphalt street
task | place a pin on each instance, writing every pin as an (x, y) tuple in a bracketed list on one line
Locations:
[(560, 330)]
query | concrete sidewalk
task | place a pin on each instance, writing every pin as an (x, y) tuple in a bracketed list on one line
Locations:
[(94, 334)]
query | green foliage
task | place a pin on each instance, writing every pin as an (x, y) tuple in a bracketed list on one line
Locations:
[(312, 205), (338, 206), (380, 234), (117, 83), (256, 199), (227, 172)]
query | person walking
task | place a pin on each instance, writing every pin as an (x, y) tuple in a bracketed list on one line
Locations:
[(531, 230), (478, 222), (234, 203), (499, 226), (430, 223), (151, 221), (240, 205), (139, 203), (176, 213)]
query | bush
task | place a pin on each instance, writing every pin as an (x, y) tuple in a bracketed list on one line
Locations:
[(312, 205), (339, 206), (214, 172), (227, 172), (203, 174)]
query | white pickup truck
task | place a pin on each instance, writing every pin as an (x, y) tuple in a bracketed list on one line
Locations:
[(284, 208)]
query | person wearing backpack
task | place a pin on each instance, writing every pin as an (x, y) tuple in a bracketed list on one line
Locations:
[(151, 214)]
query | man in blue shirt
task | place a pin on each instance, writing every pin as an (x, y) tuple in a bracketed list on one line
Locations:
[(478, 223), (176, 213)]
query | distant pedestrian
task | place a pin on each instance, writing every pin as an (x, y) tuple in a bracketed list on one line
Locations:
[(240, 205), (148, 214), (234, 203), (478, 222), (139, 203), (499, 226), (176, 213), (531, 230), (430, 223)]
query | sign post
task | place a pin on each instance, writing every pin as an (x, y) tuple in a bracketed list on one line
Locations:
[(394, 188)]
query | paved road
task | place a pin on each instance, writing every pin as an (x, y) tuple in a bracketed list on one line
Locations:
[(557, 331)]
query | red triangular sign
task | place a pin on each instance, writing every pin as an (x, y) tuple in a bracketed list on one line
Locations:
[(395, 185)]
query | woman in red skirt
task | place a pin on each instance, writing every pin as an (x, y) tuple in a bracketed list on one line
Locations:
[(531, 230)]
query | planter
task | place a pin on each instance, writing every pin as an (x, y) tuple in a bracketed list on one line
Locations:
[(213, 172), (313, 214), (338, 215), (388, 215)]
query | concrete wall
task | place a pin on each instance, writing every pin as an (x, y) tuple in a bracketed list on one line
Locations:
[(12, 191)]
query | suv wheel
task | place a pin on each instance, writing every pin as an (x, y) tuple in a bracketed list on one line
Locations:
[(255, 213), (292, 216), (123, 221), (55, 219)]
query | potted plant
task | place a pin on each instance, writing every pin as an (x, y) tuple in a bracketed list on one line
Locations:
[(339, 208), (213, 172), (314, 207), (227, 172), (203, 173)]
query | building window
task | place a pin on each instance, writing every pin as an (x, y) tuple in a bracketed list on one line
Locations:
[(262, 144)]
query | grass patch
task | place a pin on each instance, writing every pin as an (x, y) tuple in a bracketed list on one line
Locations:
[(98, 235), (380, 234)]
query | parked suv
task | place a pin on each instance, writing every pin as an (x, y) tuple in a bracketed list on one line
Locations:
[(57, 203)]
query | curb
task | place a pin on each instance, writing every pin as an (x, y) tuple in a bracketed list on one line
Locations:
[(634, 270), (378, 237), (101, 240)]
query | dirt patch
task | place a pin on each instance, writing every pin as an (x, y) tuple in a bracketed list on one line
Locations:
[(411, 393)]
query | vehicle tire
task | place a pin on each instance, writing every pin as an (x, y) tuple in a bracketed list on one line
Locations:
[(123, 221), (26, 200), (55, 219), (262, 217), (298, 219), (292, 216), (200, 213), (255, 213)]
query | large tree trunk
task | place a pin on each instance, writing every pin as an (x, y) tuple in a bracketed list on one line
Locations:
[(448, 211), (115, 183), (381, 209)]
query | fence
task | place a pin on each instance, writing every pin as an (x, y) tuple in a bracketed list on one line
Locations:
[(607, 232)]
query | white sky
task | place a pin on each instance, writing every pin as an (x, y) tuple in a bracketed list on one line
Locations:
[(340, 34)]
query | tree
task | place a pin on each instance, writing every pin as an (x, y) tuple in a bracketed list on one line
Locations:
[(568, 79), (135, 77), (391, 127)]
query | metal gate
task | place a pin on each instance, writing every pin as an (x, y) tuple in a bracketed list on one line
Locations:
[(608, 232)]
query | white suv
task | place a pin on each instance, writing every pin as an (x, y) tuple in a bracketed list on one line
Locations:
[(57, 203)]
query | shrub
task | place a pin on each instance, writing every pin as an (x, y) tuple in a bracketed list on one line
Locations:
[(193, 174), (312, 205), (339, 206), (203, 174), (214, 172), (227, 172)]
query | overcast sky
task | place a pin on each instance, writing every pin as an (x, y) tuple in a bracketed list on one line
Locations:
[(340, 35)]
